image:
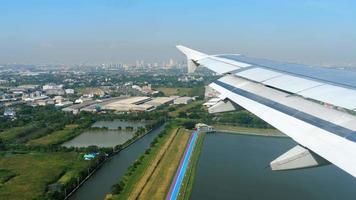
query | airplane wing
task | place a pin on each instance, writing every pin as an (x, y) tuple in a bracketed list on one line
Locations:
[(316, 112)]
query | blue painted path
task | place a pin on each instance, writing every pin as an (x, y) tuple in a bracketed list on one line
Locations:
[(183, 166)]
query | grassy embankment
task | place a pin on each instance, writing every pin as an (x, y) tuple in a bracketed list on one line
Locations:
[(248, 131), (188, 182), (184, 108), (152, 178), (159, 183), (26, 176)]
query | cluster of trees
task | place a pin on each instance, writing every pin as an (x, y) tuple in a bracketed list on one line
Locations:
[(241, 118), (35, 122)]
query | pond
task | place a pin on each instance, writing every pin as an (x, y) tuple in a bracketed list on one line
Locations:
[(119, 124), (116, 133)]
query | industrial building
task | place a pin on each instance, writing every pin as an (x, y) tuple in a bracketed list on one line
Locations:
[(130, 104), (130, 107), (126, 104), (77, 107), (183, 100), (161, 101)]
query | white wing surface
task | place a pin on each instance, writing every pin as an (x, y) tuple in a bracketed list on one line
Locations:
[(317, 113)]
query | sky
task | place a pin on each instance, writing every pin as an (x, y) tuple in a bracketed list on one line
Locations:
[(314, 32)]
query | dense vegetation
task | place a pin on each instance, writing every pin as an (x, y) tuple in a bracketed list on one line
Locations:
[(195, 113), (35, 138)]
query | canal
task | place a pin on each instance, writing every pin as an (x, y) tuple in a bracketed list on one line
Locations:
[(111, 172), (233, 166)]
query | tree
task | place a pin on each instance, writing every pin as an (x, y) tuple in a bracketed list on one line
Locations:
[(182, 114), (189, 124), (2, 145)]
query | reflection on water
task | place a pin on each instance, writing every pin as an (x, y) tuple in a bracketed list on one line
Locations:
[(115, 134), (235, 167), (100, 138), (118, 124)]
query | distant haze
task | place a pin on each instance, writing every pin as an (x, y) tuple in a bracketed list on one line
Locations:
[(100, 31)]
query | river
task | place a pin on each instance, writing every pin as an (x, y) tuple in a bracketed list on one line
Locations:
[(234, 166), (111, 172)]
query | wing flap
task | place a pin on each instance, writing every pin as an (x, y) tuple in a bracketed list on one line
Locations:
[(317, 90), (321, 134)]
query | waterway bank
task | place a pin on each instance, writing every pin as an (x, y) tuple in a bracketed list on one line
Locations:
[(151, 175), (188, 182), (180, 174), (220, 128)]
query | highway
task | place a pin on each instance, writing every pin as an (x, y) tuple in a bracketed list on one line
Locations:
[(183, 165)]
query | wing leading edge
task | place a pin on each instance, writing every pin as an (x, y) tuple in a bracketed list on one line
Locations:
[(315, 113)]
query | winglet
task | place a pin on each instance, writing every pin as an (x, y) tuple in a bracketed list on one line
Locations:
[(192, 57)]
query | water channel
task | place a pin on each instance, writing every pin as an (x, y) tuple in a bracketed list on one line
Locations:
[(234, 166), (111, 172)]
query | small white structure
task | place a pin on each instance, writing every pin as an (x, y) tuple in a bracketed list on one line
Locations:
[(64, 103), (51, 86), (69, 91), (9, 112), (82, 100), (204, 128)]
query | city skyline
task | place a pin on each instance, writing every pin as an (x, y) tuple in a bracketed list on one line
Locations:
[(75, 32)]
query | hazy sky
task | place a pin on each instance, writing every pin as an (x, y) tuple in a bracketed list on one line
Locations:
[(98, 31)]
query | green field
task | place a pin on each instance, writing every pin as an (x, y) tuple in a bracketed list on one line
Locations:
[(29, 174), (16, 132), (55, 137), (184, 108), (5, 175)]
